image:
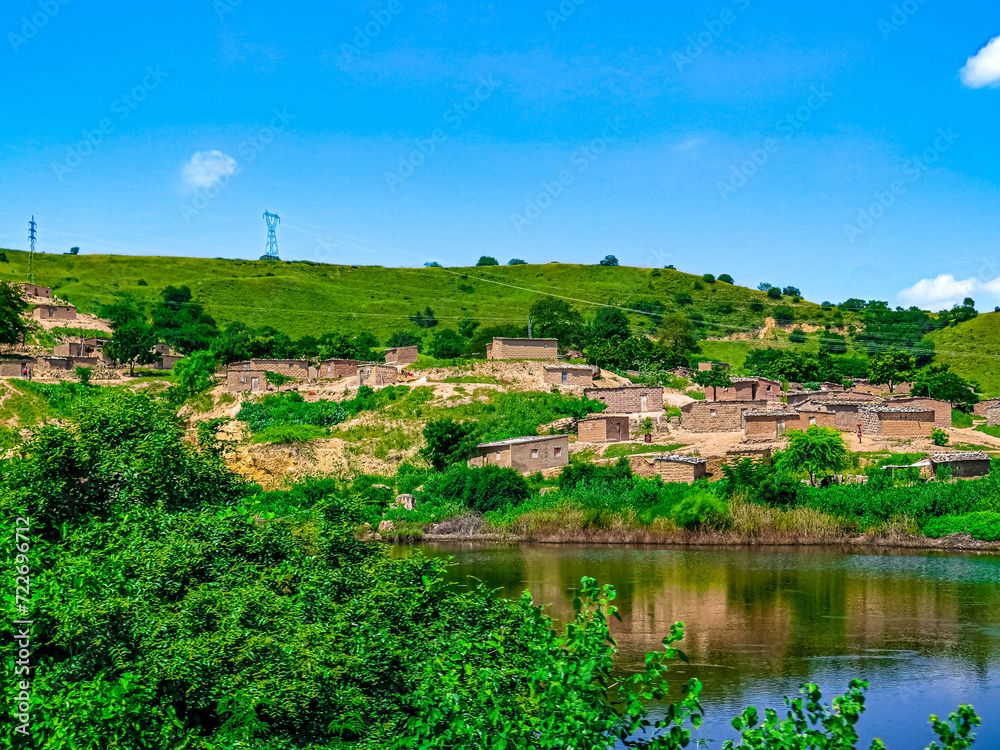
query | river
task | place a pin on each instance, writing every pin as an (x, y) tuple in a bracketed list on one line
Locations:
[(923, 628)]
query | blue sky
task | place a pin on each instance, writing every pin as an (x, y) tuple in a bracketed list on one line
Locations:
[(848, 149)]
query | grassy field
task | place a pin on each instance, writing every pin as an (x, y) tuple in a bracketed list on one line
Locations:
[(303, 298), (973, 351)]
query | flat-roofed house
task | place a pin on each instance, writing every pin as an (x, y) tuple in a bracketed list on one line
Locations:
[(503, 348), (670, 468), (566, 374), (525, 454), (603, 429)]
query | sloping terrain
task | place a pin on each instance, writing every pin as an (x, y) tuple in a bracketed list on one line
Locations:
[(973, 351)]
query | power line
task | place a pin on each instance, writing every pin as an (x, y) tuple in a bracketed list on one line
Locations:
[(272, 221)]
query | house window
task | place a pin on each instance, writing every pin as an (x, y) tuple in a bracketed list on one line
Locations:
[(725, 389), (254, 384), (328, 370), (557, 452), (246, 367), (812, 420), (534, 452), (565, 376), (768, 388), (713, 412), (243, 378)]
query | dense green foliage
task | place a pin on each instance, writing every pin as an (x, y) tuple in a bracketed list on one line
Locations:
[(448, 442), (12, 306)]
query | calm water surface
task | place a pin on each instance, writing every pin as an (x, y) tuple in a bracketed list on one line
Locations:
[(923, 629)]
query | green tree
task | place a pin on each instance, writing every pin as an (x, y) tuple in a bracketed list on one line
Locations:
[(833, 343), (467, 327), (486, 260), (403, 338), (726, 278), (517, 262), (774, 293), (818, 450), (890, 368), (447, 344), (82, 374), (938, 381), (783, 314), (448, 442), (557, 319), (193, 375), (12, 306), (676, 334), (609, 260), (797, 336), (610, 323), (132, 344), (708, 278), (127, 308), (181, 322), (717, 377)]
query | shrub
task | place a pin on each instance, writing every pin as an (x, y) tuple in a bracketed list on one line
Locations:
[(517, 262), (486, 260), (774, 293), (574, 475), (725, 278), (939, 437), (609, 260), (448, 442), (290, 409), (82, 374), (141, 282), (708, 278), (984, 525), (700, 508), (797, 336), (485, 489), (757, 307)]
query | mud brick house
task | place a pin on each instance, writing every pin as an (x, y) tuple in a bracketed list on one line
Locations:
[(629, 399), (374, 374), (34, 290), (525, 454), (335, 368), (745, 389), (523, 349), (763, 424), (815, 415), (941, 409), (963, 464), (293, 368), (670, 468), (709, 366), (54, 312), (896, 421), (603, 429), (717, 416), (14, 368), (564, 374), (401, 355), (980, 409), (993, 416), (166, 362), (242, 376), (87, 347)]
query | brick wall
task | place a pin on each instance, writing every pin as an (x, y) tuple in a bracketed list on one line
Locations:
[(727, 417), (537, 455), (603, 430), (403, 355), (993, 416), (941, 409), (628, 400), (373, 374), (295, 368), (980, 409), (897, 424), (574, 376), (766, 426), (742, 391), (669, 471), (33, 290), (13, 368), (54, 312), (523, 349), (337, 368), (240, 380)]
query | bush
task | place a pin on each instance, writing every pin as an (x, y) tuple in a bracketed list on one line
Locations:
[(485, 489), (708, 278), (448, 442), (700, 508), (517, 262), (609, 260), (82, 374), (726, 278), (757, 307), (487, 260), (939, 437), (774, 293), (984, 525), (797, 336), (783, 314), (447, 344), (290, 409), (574, 475)]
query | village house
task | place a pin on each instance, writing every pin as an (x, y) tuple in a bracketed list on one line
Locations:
[(329, 369), (746, 453), (524, 454), (763, 424), (54, 312), (293, 368), (603, 429), (896, 421), (401, 355), (69, 363), (166, 362), (670, 468), (993, 416), (963, 464), (374, 374), (523, 349), (629, 399), (980, 408), (34, 290), (566, 374), (814, 415), (941, 409), (241, 376), (87, 347), (745, 389), (717, 416), (709, 366), (14, 368)]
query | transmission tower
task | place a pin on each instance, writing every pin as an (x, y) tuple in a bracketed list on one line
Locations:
[(32, 226), (272, 238)]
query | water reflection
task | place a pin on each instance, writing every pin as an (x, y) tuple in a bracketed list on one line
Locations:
[(922, 628)]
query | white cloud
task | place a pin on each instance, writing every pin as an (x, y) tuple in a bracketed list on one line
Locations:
[(206, 168), (944, 291), (690, 146), (983, 68)]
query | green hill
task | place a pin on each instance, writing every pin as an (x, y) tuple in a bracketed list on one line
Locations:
[(304, 298), (973, 351)]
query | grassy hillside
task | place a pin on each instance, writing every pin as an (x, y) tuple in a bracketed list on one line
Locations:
[(973, 351), (303, 298)]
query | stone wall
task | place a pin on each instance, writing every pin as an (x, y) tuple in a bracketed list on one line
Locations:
[(603, 430), (374, 374), (717, 416), (403, 355), (629, 399), (294, 368), (896, 423), (993, 416), (685, 472), (523, 349), (14, 368)]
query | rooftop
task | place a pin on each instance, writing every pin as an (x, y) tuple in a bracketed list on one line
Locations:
[(500, 338), (521, 440), (671, 458), (767, 413), (897, 409), (588, 368), (944, 458)]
